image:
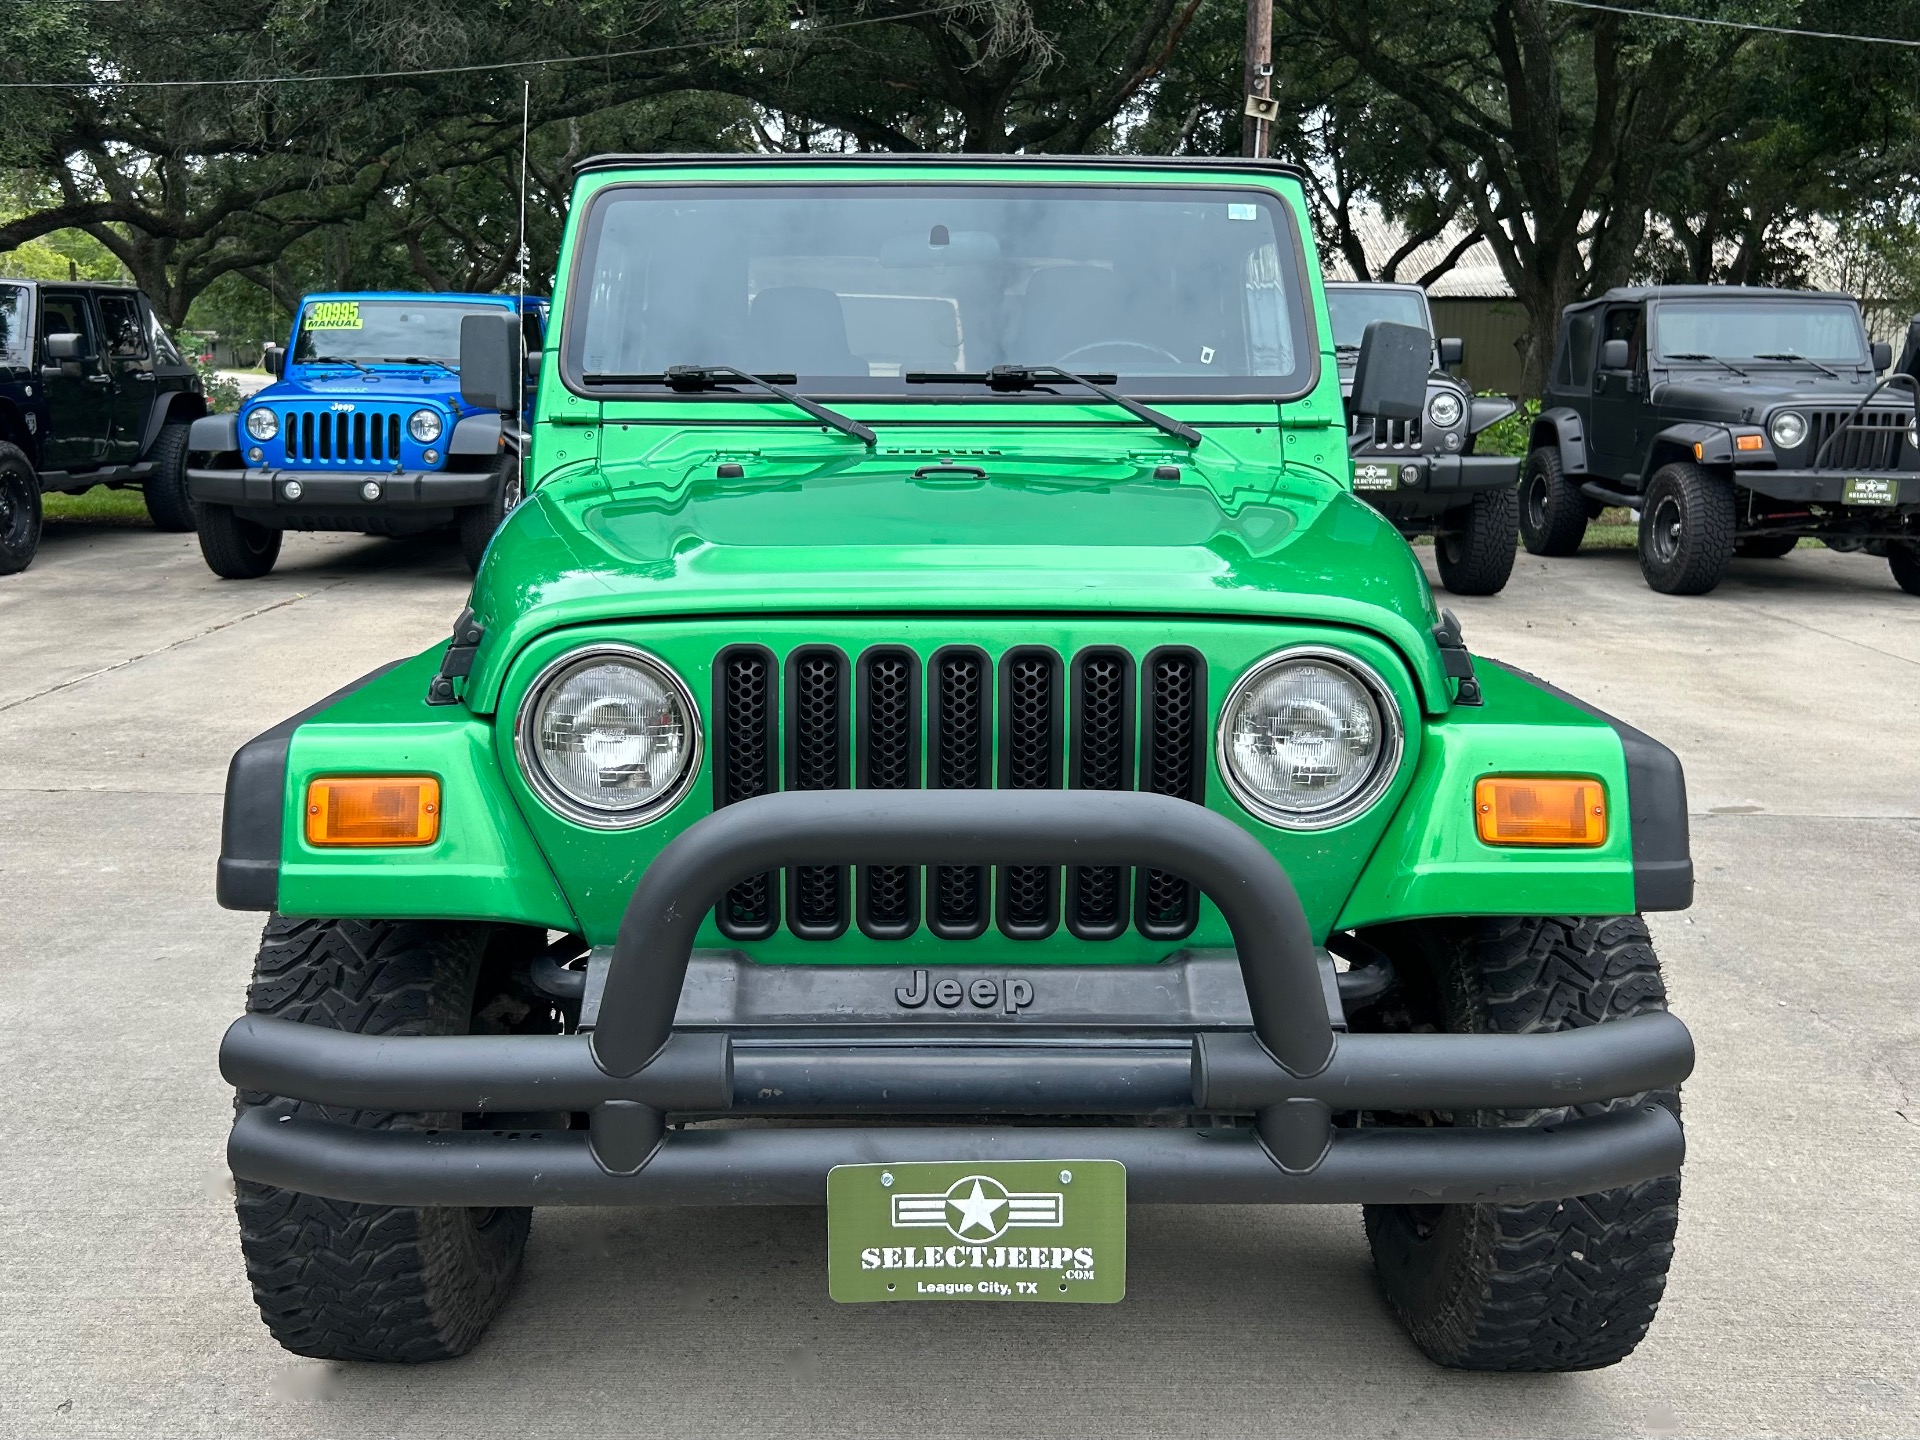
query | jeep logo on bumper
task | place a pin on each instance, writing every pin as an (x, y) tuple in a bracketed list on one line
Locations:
[(983, 993)]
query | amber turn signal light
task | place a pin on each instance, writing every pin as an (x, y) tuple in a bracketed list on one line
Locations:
[(1540, 810), (373, 810), (1748, 442)]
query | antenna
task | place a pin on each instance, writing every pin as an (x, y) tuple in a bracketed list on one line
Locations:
[(520, 260)]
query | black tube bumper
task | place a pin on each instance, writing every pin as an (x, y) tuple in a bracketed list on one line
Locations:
[(1292, 1069), (333, 491)]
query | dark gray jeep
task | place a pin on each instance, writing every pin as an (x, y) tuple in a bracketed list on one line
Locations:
[(1734, 420), (1422, 474)]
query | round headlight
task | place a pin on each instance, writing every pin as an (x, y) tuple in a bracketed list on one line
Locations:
[(262, 424), (1445, 409), (424, 426), (1309, 738), (1913, 432), (1788, 429), (609, 736)]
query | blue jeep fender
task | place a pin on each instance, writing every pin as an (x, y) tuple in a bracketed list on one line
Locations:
[(1562, 429)]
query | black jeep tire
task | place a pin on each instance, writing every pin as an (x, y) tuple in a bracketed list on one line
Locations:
[(1903, 558), (1765, 547), (340, 1281), (1557, 1284), (165, 490), (478, 523), (20, 512), (236, 549), (1553, 512), (1476, 549), (1686, 529)]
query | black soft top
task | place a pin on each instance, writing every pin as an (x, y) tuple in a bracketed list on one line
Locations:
[(1636, 294)]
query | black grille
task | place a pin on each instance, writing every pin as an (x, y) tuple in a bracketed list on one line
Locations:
[(1029, 760), (888, 706), (311, 437), (1174, 711), (746, 706), (1872, 442), (833, 723), (960, 691), (817, 760), (1102, 759), (1384, 434)]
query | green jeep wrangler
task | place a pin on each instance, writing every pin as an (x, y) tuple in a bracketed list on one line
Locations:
[(943, 741)]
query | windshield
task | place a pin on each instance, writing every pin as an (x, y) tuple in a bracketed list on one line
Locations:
[(1353, 308), (1749, 329), (374, 330), (860, 289), (13, 324)]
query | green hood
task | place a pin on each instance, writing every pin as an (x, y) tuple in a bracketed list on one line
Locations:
[(821, 530)]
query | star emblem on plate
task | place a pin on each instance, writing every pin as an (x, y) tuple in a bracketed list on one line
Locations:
[(978, 1208)]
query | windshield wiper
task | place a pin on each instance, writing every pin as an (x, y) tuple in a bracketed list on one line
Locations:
[(1696, 355), (339, 360), (1794, 355), (711, 377), (1028, 377), (425, 360)]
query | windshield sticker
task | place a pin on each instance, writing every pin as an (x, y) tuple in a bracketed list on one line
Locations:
[(1236, 211), (333, 315)]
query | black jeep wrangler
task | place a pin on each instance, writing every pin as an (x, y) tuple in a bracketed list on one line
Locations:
[(1734, 420), (92, 392), (1422, 474)]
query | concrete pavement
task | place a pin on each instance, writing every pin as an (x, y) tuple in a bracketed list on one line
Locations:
[(128, 674)]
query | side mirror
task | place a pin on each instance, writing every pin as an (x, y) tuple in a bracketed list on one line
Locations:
[(274, 360), (1453, 350), (1882, 356), (1390, 378), (490, 362), (66, 348), (1613, 355)]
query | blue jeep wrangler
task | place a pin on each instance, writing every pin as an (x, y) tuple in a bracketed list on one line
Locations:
[(364, 429)]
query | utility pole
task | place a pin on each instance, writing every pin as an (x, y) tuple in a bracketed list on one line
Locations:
[(1254, 126)]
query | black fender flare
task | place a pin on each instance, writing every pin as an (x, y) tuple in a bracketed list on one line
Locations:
[(1702, 442), (173, 405), (1563, 429)]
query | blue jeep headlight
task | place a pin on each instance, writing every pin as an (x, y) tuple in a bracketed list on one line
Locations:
[(424, 426), (262, 423)]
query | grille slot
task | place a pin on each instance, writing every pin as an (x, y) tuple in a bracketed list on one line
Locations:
[(314, 437), (888, 758), (1100, 758), (817, 693), (960, 741), (1871, 443), (1030, 730), (1384, 434), (746, 763), (1173, 715)]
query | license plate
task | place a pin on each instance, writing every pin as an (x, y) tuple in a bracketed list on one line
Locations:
[(1376, 477), (1871, 490), (1037, 1231)]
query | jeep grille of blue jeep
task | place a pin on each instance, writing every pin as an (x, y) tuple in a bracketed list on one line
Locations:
[(318, 436)]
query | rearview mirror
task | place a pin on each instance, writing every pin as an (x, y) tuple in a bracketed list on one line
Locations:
[(1452, 351), (274, 361), (1390, 378), (66, 348), (490, 362), (1882, 356), (1613, 355)]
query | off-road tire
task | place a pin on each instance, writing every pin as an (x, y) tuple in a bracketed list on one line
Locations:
[(1558, 1284), (478, 523), (1475, 552), (165, 490), (1765, 547), (340, 1281), (20, 513), (1686, 529), (1903, 558), (1553, 512), (236, 549)]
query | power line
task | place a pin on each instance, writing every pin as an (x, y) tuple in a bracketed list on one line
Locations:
[(709, 44), (1739, 24)]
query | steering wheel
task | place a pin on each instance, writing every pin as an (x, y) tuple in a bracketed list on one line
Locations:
[(1065, 362)]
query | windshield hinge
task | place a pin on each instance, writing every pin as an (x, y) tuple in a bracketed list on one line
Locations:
[(457, 663), (1455, 657)]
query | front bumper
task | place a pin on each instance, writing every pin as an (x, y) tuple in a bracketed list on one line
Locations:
[(1828, 487), (1272, 1048), (334, 491), (1428, 483)]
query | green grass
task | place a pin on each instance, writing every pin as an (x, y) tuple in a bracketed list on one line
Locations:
[(98, 506)]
